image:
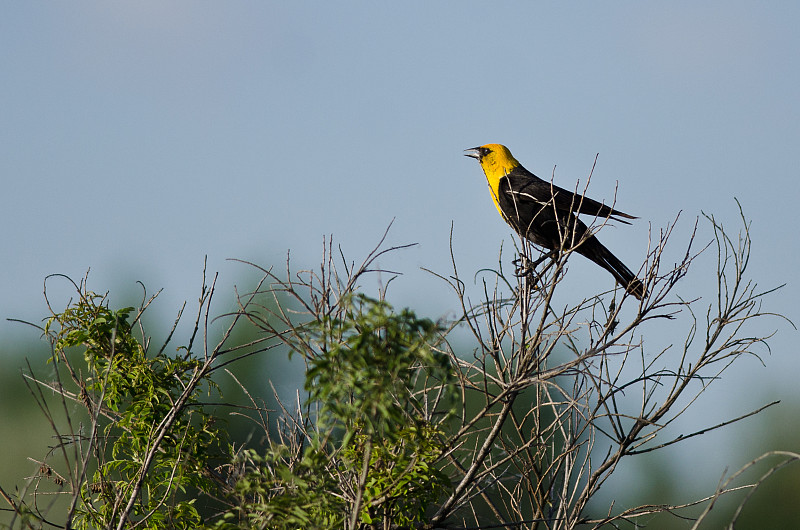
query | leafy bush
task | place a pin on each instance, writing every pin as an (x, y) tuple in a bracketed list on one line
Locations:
[(396, 429)]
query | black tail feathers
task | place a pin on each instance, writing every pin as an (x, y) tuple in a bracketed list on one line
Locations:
[(595, 251)]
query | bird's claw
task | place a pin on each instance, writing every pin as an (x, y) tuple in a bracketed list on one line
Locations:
[(525, 268)]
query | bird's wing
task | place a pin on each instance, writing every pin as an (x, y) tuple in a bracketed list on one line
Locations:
[(525, 186)]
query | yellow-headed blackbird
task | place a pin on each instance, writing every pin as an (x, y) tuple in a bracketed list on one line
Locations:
[(546, 214)]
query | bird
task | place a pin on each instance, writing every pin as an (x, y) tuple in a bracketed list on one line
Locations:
[(547, 215)]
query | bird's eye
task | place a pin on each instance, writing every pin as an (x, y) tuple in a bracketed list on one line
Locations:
[(484, 151)]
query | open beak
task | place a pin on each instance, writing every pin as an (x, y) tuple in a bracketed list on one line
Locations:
[(473, 153)]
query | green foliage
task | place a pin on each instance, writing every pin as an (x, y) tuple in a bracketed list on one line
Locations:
[(366, 362), (280, 492), (371, 450), (404, 480), (129, 394)]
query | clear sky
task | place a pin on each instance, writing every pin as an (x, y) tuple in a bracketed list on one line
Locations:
[(138, 137)]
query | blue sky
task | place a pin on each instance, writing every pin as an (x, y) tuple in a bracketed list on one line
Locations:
[(137, 138)]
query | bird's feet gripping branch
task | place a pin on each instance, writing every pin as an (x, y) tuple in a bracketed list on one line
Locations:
[(547, 215)]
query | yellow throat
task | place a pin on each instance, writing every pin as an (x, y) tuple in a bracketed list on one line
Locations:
[(496, 164)]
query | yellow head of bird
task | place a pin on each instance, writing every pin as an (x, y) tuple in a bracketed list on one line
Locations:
[(496, 160)]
